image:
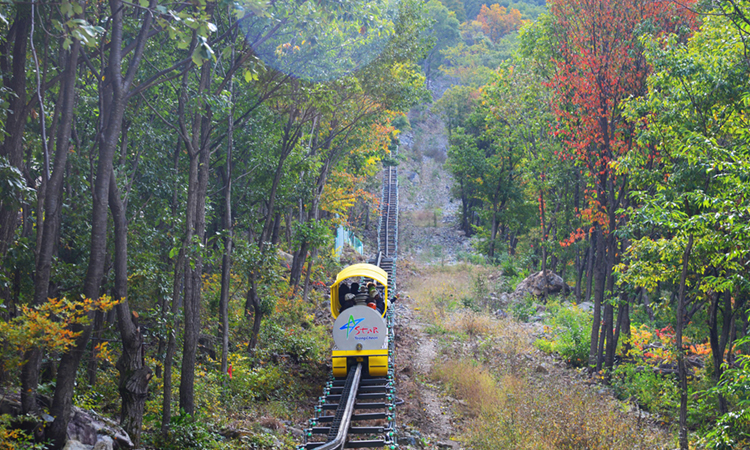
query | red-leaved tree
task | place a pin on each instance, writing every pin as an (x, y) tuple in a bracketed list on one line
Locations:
[(599, 63)]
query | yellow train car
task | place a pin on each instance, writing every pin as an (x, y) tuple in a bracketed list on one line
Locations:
[(360, 331)]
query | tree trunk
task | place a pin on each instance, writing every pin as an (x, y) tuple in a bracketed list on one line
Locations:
[(134, 373), (598, 297), (172, 326), (590, 266), (579, 275), (543, 246), (190, 309), (718, 337), (289, 141), (199, 151), (623, 323), (298, 264), (309, 271), (226, 260), (51, 198), (681, 369), (276, 229), (253, 301), (166, 405), (609, 312), (97, 336), (14, 80), (493, 235), (114, 101), (464, 210)]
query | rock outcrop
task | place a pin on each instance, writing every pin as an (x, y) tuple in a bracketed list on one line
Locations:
[(535, 283)]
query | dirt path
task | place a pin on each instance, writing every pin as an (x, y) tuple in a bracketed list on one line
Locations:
[(425, 418)]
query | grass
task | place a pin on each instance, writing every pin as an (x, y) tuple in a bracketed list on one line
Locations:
[(425, 218), (491, 369), (517, 410)]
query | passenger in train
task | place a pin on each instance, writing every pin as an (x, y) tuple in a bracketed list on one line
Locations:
[(346, 295), (343, 290), (348, 302), (375, 297)]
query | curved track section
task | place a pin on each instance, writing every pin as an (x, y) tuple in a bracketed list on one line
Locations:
[(360, 412)]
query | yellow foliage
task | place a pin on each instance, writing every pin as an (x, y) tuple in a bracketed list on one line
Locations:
[(103, 352), (51, 325)]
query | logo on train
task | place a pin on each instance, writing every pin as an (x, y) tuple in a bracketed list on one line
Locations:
[(352, 325)]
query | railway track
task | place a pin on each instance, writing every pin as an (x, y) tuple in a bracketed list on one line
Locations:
[(360, 412)]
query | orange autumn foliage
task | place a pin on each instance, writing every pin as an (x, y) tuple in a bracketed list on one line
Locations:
[(497, 21), (49, 326)]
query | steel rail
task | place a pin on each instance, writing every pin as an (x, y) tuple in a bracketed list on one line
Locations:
[(346, 419)]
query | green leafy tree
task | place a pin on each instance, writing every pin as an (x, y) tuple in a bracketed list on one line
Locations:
[(444, 34), (693, 199)]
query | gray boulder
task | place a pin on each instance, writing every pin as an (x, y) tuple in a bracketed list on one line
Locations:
[(88, 428), (72, 444), (534, 285), (104, 443)]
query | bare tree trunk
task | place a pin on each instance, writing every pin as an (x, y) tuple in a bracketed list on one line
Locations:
[(166, 406), (543, 245), (200, 153), (50, 218), (718, 338), (173, 324), (226, 259), (307, 276), (681, 369), (623, 322), (14, 79), (493, 235), (579, 275), (134, 373), (609, 311), (292, 133), (590, 266), (598, 298), (163, 300), (95, 339), (115, 102), (253, 300), (298, 264), (276, 229)]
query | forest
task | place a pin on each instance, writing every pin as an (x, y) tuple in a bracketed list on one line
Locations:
[(172, 173), (156, 159), (610, 147)]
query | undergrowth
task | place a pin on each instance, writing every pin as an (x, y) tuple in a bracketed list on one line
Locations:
[(490, 368)]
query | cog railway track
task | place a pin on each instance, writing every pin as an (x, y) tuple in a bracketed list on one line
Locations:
[(359, 412)]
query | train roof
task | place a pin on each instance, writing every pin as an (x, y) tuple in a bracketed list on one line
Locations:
[(363, 270), (358, 270)]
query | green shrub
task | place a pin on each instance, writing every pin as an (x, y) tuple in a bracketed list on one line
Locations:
[(569, 334), (299, 343), (732, 429), (471, 258), (260, 383), (654, 392), (470, 303), (188, 432), (523, 309), (401, 122), (508, 268), (12, 437)]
